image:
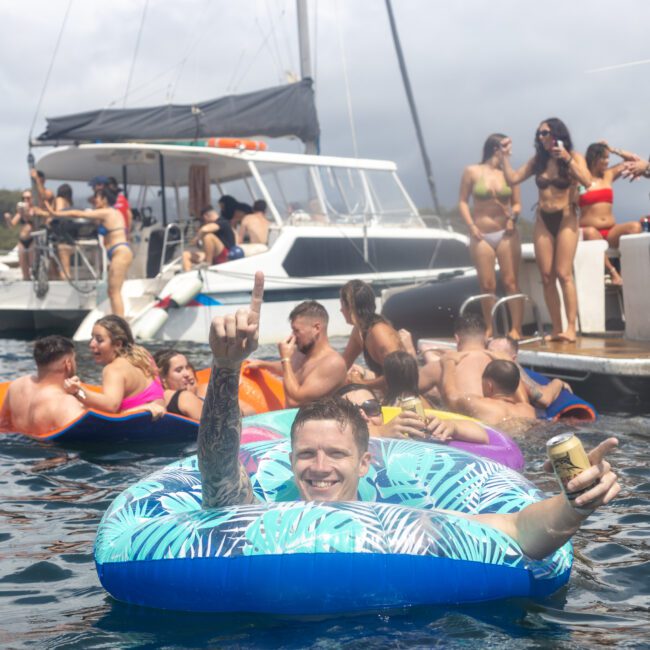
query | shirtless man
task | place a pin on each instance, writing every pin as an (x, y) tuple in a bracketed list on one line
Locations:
[(310, 367), (495, 403), (216, 238), (38, 404), (254, 227), (329, 449)]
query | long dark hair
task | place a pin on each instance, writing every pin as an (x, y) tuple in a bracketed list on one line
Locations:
[(559, 131), (401, 375), (359, 298), (492, 143)]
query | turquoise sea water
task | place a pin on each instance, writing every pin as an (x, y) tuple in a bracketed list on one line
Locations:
[(52, 499)]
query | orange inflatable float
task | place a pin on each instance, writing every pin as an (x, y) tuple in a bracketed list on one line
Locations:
[(236, 143)]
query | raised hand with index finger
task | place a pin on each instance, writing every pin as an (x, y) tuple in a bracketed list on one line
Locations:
[(233, 337)]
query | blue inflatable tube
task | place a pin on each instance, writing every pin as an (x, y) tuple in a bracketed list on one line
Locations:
[(567, 404), (157, 547)]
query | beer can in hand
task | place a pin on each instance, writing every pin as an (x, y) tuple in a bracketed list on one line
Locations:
[(412, 403), (569, 459)]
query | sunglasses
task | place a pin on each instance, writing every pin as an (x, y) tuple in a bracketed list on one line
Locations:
[(28, 197), (371, 407), (543, 133)]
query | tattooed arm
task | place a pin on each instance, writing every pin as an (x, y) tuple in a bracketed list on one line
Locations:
[(232, 339)]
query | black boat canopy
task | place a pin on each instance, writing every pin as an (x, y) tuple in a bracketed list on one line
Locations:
[(283, 111)]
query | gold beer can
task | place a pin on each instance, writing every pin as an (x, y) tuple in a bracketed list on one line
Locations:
[(412, 403), (569, 459)]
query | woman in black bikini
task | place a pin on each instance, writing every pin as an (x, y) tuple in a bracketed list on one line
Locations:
[(113, 228), (25, 217), (176, 377), (557, 170)]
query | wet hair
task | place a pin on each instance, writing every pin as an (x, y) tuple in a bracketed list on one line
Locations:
[(64, 192), (342, 411), (350, 388), (260, 206), (512, 344), (560, 132), (228, 206), (471, 325), (49, 349), (401, 375), (595, 152), (504, 374), (491, 145), (163, 359), (108, 194), (310, 309), (119, 331), (359, 298)]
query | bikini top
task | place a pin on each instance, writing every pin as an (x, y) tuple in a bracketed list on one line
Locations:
[(543, 182), (483, 192), (591, 197), (102, 230)]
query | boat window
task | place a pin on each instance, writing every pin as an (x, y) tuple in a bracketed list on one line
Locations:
[(320, 256), (389, 200)]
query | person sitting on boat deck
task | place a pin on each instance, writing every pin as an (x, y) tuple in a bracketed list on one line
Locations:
[(118, 249), (25, 217), (309, 365), (408, 423), (538, 395), (496, 404), (372, 335), (329, 449), (129, 379), (176, 378), (37, 404), (254, 227), (597, 219), (215, 237), (492, 225)]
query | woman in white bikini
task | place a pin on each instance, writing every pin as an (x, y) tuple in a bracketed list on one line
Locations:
[(493, 230)]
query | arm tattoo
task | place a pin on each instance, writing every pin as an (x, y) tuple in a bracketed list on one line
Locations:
[(225, 481), (531, 386)]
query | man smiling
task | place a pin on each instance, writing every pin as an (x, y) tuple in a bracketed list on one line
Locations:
[(329, 442)]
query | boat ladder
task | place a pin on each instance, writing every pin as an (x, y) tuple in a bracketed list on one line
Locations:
[(502, 302)]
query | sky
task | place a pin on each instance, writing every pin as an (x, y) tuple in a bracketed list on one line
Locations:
[(476, 67)]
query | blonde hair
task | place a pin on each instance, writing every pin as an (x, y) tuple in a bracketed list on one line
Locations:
[(120, 332)]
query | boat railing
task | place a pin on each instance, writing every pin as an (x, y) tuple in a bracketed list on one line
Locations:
[(83, 268), (501, 302), (172, 237)]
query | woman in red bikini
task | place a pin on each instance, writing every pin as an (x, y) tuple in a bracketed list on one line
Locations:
[(492, 229), (557, 170), (129, 379), (596, 215)]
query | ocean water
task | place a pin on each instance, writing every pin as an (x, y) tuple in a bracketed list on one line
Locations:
[(52, 498)]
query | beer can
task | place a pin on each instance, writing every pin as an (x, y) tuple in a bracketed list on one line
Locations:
[(569, 459), (412, 403)]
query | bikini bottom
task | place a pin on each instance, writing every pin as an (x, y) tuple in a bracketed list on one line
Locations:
[(111, 250), (26, 242), (493, 238), (552, 220)]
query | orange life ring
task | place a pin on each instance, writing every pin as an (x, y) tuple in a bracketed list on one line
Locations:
[(237, 143)]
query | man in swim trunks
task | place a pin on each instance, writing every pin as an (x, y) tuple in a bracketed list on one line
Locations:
[(36, 404), (329, 449), (215, 237), (310, 367), (496, 404)]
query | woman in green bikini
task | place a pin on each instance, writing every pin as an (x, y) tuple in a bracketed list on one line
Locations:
[(492, 228)]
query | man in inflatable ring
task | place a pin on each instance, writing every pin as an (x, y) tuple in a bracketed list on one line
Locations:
[(329, 449)]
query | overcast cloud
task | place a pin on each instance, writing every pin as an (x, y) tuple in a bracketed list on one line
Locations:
[(476, 67)]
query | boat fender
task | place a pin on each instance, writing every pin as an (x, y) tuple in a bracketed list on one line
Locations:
[(146, 327), (185, 292), (235, 253)]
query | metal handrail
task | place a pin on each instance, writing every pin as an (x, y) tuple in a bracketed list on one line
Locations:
[(170, 242), (520, 296), (471, 299)]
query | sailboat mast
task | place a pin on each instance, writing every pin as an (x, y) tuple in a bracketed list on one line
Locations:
[(305, 59), (414, 112)]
